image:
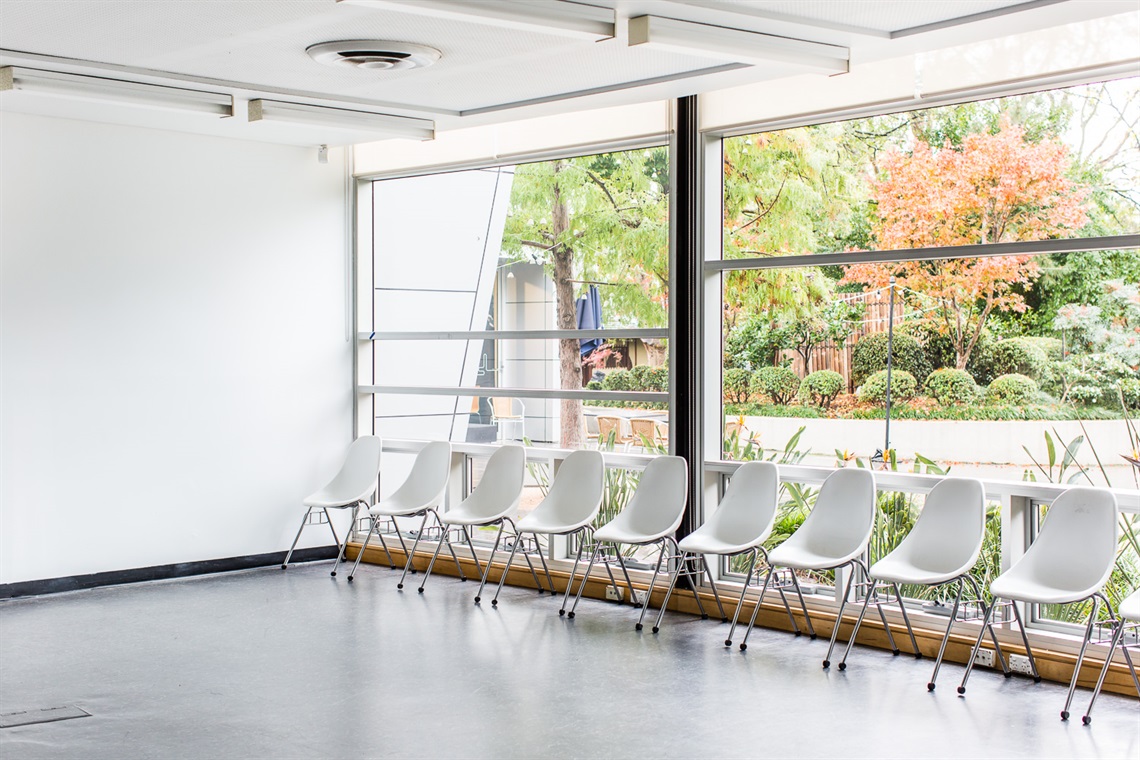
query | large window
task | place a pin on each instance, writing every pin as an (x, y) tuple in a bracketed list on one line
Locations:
[(948, 290)]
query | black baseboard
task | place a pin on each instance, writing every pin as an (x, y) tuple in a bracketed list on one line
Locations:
[(160, 572)]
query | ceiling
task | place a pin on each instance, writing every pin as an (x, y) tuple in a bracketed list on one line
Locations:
[(501, 59)]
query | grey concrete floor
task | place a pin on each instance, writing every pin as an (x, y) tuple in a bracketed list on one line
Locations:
[(296, 664)]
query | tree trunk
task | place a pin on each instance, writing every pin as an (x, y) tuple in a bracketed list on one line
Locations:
[(569, 354), (658, 351)]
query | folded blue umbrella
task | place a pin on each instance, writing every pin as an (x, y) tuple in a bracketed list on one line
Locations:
[(589, 313)]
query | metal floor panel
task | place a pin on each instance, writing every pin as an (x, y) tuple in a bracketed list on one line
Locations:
[(273, 664)]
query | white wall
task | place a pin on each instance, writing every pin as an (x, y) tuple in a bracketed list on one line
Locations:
[(174, 373)]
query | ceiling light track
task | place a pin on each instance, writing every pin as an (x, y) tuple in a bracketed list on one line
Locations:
[(303, 113), (79, 86)]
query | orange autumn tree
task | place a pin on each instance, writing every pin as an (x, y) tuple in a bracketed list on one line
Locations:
[(997, 188)]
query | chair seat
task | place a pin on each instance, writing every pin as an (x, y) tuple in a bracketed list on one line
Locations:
[(324, 499), (1021, 586), (397, 508), (707, 543), (1130, 607), (534, 522), (802, 558), (460, 515), (620, 535), (898, 570)]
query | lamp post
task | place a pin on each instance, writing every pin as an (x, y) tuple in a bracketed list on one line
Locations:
[(890, 364)]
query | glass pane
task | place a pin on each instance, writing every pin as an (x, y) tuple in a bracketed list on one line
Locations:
[(998, 367), (574, 243), (1054, 164)]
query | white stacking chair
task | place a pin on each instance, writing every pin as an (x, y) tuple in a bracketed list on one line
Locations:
[(418, 496), (357, 480), (493, 501), (834, 534), (1068, 563), (1128, 617), (569, 508), (941, 548), (741, 523), (652, 516)]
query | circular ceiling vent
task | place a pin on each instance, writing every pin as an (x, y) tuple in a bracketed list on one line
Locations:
[(378, 55)]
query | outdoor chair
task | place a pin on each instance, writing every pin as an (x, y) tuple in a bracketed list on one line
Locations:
[(941, 548), (610, 432), (741, 523), (418, 496), (1128, 617), (508, 414), (493, 501), (652, 515), (357, 480), (1069, 562), (648, 432), (570, 506), (834, 534)]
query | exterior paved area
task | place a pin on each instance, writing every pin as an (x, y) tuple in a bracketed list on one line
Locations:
[(295, 664)]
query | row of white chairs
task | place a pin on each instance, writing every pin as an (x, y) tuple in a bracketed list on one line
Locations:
[(1069, 562)]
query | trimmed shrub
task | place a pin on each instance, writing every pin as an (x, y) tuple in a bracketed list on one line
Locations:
[(1011, 389), (821, 387), (951, 386), (658, 379), (874, 389), (778, 383), (641, 376), (618, 380), (736, 385), (1017, 356), (1051, 347), (870, 356), (593, 385)]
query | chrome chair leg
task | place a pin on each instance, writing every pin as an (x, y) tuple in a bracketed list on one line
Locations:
[(474, 556), (803, 604), (435, 555), (289, 554), (360, 554), (503, 577), (625, 572), (1081, 656), (573, 570), (1117, 636), (946, 637), (977, 645), (756, 609), (838, 620), (740, 601), (585, 577), (871, 592), (669, 591), (490, 561), (545, 567), (712, 585), (410, 555), (341, 546), (906, 619), (652, 580), (1025, 640)]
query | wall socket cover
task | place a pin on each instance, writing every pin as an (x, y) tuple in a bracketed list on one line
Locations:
[(1019, 663), (984, 658), (614, 594)]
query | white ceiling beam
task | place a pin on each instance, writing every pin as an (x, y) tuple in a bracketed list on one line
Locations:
[(301, 113), (736, 45), (586, 22)]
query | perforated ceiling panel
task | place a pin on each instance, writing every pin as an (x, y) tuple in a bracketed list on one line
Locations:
[(881, 15)]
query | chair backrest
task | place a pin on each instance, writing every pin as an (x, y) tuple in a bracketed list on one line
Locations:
[(658, 504), (840, 524), (947, 537), (359, 473), (504, 408), (576, 493), (643, 428), (608, 425), (498, 491), (1076, 547), (748, 509), (427, 481)]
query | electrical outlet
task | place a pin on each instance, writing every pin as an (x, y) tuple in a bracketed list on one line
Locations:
[(614, 594), (1019, 663), (639, 596), (984, 658)]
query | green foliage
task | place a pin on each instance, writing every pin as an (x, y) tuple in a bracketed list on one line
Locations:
[(778, 383), (951, 386), (594, 385), (775, 410), (1090, 379), (833, 322), (736, 385), (1011, 389), (874, 388), (870, 356), (754, 344), (1011, 356), (618, 380), (821, 387), (1130, 393)]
